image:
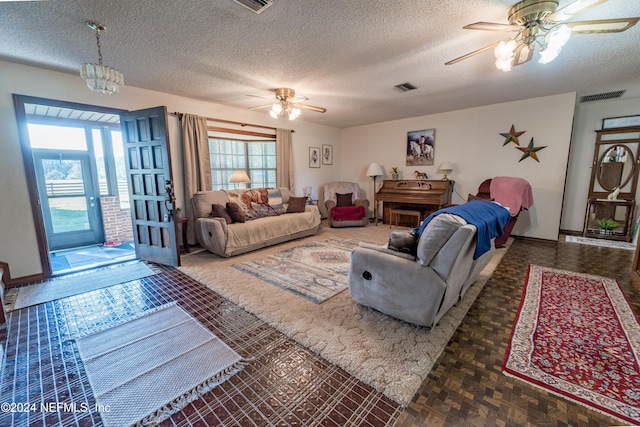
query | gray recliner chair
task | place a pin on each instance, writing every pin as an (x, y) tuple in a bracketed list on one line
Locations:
[(419, 289)]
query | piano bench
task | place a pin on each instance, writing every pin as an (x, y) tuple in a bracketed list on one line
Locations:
[(396, 213)]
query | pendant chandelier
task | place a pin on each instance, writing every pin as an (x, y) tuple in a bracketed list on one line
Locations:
[(101, 78)]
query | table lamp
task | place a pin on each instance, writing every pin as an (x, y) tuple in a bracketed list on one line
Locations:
[(239, 177), (447, 167)]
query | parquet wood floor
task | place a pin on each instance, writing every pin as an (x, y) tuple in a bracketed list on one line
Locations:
[(289, 385), (467, 386)]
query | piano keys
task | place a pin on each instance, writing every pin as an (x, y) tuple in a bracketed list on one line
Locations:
[(425, 196)]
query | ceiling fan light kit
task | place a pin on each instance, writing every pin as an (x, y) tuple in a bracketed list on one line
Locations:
[(287, 104), (539, 24), (100, 78)]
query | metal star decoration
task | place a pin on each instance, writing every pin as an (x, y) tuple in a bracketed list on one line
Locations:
[(512, 136), (530, 151)]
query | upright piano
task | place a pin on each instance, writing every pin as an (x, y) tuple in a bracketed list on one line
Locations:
[(425, 196)]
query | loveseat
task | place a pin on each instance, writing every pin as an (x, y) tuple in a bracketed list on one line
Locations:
[(267, 214), (420, 284)]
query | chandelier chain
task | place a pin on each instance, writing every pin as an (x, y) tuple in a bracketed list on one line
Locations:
[(99, 47)]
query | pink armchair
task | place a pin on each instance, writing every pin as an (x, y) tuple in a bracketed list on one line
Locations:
[(343, 205)]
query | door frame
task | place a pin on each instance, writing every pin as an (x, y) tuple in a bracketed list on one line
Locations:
[(19, 102)]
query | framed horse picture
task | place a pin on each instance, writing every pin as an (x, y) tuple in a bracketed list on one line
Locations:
[(421, 145)]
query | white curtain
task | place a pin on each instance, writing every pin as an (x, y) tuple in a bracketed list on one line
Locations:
[(197, 165), (284, 155)]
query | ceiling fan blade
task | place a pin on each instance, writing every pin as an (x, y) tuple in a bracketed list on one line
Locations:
[(573, 9), (260, 106), (312, 108), (297, 98), (475, 52), (492, 26), (260, 96), (603, 25)]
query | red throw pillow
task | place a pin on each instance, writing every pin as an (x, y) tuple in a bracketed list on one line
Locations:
[(296, 204), (344, 199)]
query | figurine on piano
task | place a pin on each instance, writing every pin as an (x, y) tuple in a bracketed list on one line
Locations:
[(421, 175)]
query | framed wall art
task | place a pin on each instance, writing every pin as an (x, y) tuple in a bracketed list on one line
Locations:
[(314, 157), (327, 154), (421, 145)]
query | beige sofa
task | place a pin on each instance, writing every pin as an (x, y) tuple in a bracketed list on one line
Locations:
[(227, 240)]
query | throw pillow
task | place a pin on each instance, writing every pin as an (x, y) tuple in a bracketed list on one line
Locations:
[(403, 241), (296, 204), (219, 211), (344, 199), (236, 213)]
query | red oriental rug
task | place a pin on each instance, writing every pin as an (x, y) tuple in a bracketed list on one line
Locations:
[(576, 336)]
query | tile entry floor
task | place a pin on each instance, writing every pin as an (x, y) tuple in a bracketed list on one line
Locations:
[(77, 259), (287, 384)]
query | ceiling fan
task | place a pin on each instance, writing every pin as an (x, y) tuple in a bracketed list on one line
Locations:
[(289, 104), (540, 23)]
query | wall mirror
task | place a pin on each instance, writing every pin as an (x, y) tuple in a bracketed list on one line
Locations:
[(615, 163), (615, 167)]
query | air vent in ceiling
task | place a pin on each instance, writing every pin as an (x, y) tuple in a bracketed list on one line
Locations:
[(602, 96), (405, 87), (256, 5)]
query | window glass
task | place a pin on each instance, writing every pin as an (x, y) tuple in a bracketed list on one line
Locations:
[(57, 137), (258, 159), (121, 169), (101, 170)]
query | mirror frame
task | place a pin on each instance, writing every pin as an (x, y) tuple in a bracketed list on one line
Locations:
[(630, 174), (628, 137)]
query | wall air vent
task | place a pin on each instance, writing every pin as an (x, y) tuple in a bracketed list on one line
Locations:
[(256, 5), (405, 87), (602, 96)]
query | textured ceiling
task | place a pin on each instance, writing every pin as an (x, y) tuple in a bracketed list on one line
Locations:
[(345, 55)]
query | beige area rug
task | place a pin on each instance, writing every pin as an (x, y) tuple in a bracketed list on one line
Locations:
[(165, 355), (392, 356), (75, 284), (317, 270)]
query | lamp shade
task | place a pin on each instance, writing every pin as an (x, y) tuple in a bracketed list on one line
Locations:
[(239, 176), (375, 170), (446, 166)]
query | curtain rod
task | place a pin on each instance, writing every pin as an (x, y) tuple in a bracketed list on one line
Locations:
[(175, 113)]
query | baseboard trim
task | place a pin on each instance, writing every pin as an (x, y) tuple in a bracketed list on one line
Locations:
[(571, 232), (11, 282)]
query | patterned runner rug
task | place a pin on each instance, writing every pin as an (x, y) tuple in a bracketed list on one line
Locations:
[(575, 335), (316, 271), (148, 368)]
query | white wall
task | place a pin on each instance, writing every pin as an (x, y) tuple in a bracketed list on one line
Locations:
[(471, 140), (18, 245), (588, 119), (468, 138)]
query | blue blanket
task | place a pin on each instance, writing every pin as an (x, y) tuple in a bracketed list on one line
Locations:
[(488, 217)]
